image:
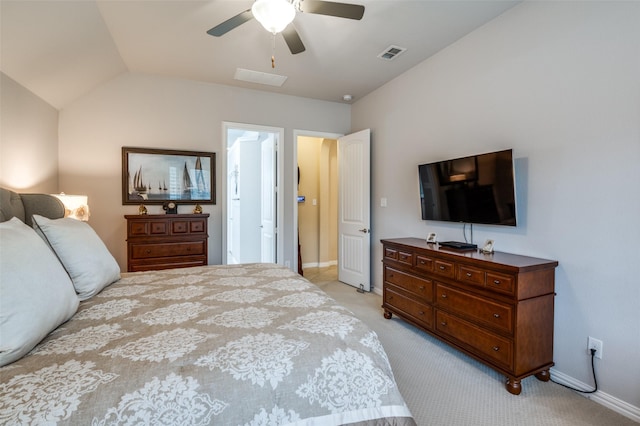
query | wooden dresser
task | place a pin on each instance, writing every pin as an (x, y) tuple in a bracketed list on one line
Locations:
[(497, 308), (163, 241)]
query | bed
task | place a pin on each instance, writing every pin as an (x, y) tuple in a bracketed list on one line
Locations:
[(251, 344)]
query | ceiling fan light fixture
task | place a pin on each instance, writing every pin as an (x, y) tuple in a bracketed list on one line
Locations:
[(274, 15)]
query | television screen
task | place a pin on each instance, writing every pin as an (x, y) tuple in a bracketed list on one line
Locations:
[(476, 189)]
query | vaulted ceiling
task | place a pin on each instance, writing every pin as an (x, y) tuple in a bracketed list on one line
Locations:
[(62, 49)]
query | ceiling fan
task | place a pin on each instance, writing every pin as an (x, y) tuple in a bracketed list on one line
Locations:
[(277, 15)]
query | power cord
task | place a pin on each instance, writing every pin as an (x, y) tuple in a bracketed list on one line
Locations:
[(593, 370), (464, 232)]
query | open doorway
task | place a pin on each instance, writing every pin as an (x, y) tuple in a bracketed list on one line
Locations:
[(354, 207), (251, 176), (318, 207)]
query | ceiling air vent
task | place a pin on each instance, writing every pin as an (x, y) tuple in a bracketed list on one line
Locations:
[(391, 52)]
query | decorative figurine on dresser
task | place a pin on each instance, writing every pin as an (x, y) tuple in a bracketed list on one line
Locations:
[(495, 307), (163, 241)]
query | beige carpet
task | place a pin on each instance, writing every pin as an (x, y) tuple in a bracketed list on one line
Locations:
[(444, 387)]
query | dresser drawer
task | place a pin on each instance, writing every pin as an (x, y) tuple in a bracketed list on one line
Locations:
[(197, 227), (419, 286), (490, 346), (424, 263), (405, 257), (390, 253), (141, 228), (166, 263), (418, 311), (147, 251), (500, 282), (444, 268), (488, 312), (470, 275), (179, 227)]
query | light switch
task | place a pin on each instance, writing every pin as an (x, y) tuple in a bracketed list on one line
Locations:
[(315, 202), (383, 202)]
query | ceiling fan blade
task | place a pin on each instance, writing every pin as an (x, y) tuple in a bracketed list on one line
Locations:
[(231, 23), (341, 10), (293, 40)]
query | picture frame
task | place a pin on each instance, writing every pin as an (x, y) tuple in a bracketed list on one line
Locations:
[(155, 176), (488, 247)]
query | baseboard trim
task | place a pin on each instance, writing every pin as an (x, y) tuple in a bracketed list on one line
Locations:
[(320, 264), (602, 398)]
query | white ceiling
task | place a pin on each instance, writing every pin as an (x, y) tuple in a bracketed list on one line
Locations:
[(61, 50)]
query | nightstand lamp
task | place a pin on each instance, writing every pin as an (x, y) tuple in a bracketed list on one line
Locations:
[(75, 206)]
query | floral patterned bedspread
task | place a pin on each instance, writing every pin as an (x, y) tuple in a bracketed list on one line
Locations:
[(252, 344)]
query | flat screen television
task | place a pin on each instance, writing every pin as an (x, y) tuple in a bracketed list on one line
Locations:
[(476, 189)]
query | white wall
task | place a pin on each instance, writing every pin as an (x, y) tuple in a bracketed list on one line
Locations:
[(559, 82), (147, 111), (28, 140)]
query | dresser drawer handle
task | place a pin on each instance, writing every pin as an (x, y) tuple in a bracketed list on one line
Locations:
[(441, 267), (148, 251), (469, 274), (443, 323), (422, 262), (496, 315), (496, 282), (421, 312), (421, 288), (496, 348), (444, 296)]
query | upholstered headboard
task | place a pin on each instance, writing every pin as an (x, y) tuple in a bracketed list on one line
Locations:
[(23, 206)]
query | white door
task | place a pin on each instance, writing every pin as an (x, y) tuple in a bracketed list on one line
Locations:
[(267, 206), (354, 233)]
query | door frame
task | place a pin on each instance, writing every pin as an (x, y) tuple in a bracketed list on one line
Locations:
[(226, 125), (294, 231)]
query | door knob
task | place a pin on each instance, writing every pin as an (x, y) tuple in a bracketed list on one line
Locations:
[(364, 230)]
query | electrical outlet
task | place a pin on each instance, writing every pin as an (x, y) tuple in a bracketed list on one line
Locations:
[(595, 344)]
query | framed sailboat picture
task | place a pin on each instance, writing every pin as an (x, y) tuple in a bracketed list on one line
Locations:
[(154, 176)]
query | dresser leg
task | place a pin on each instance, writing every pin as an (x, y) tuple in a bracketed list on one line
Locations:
[(543, 376), (513, 386), (387, 314)]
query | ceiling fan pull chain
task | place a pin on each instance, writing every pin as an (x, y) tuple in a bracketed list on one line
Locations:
[(273, 51)]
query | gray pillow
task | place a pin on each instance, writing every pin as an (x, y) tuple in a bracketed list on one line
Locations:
[(37, 294), (82, 253)]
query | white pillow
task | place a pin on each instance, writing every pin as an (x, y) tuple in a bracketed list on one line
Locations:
[(37, 294), (81, 252)]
